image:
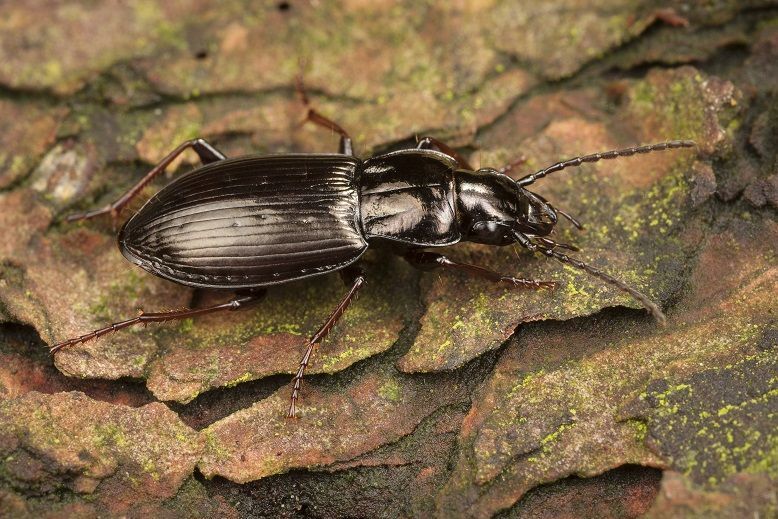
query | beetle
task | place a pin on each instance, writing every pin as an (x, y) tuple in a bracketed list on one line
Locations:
[(244, 224)]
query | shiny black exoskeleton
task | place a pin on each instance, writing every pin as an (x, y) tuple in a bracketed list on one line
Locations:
[(247, 223)]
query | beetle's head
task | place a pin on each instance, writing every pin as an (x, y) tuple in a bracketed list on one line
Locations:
[(489, 200)]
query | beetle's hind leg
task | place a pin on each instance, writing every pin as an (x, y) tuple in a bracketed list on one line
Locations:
[(357, 280), (311, 115), (204, 150), (158, 317), (430, 260)]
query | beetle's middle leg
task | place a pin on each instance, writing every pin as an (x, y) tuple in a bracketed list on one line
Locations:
[(158, 317), (315, 117), (357, 279), (205, 150), (430, 260)]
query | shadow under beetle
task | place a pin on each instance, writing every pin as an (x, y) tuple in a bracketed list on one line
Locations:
[(251, 222)]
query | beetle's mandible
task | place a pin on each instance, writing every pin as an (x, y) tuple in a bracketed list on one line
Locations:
[(247, 223)]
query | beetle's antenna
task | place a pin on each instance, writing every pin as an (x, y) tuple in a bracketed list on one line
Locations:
[(594, 271), (604, 155)]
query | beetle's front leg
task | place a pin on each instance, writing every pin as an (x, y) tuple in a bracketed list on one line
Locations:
[(357, 280), (204, 150), (430, 260)]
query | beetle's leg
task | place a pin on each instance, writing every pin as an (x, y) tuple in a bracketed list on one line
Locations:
[(357, 281), (204, 150), (158, 317), (315, 117), (509, 167), (207, 152), (649, 305), (430, 260), (431, 143), (551, 244)]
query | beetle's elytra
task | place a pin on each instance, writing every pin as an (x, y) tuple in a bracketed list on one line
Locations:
[(247, 223)]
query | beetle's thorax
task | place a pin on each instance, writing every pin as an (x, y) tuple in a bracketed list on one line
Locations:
[(408, 198), (489, 202)]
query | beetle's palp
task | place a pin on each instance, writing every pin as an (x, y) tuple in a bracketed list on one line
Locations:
[(649, 305), (578, 225), (604, 155)]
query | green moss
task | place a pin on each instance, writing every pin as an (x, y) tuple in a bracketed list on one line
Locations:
[(127, 287), (241, 379), (640, 429), (165, 32), (109, 435), (481, 316), (150, 468), (678, 106), (344, 358), (547, 441), (213, 446), (710, 433), (186, 325), (391, 390)]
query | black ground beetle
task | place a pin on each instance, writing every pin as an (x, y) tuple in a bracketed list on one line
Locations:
[(247, 223)]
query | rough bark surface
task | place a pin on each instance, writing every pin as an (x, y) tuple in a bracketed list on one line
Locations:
[(437, 394)]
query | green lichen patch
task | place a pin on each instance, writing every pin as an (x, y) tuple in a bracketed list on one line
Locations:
[(336, 424), (718, 422), (576, 33), (687, 104), (98, 35), (127, 451), (80, 269)]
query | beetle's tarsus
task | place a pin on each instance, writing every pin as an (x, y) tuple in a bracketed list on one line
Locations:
[(553, 244), (426, 260), (87, 215), (509, 167), (292, 413)]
